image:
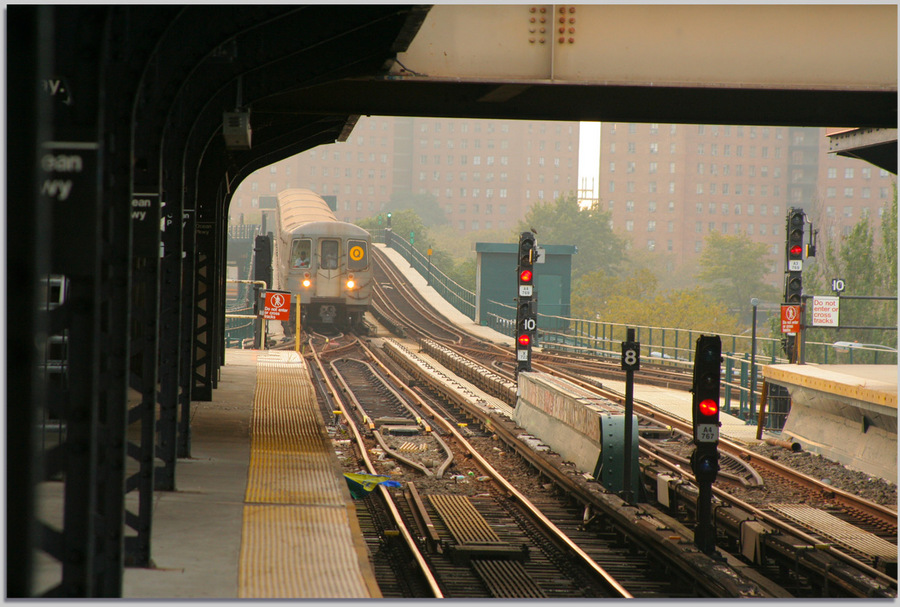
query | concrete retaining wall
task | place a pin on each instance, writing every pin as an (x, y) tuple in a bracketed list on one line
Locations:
[(565, 417)]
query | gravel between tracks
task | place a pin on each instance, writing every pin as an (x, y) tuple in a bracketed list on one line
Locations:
[(837, 475)]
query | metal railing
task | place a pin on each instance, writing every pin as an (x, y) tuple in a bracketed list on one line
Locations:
[(456, 295), (664, 345)]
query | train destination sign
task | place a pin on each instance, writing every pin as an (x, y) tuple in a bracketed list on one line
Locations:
[(826, 311), (277, 305)]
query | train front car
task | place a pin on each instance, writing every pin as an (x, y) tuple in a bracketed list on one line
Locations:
[(325, 261)]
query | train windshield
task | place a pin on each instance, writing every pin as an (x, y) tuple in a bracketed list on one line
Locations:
[(330, 250), (300, 253), (358, 255)]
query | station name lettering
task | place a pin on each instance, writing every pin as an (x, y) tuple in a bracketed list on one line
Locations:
[(140, 203), (60, 189)]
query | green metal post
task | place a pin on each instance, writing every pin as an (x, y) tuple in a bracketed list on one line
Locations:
[(729, 364), (745, 388)]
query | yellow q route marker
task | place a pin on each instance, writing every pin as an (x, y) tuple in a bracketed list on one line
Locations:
[(357, 253)]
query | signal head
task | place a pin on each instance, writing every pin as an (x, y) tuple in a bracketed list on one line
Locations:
[(525, 276), (709, 407), (524, 339)]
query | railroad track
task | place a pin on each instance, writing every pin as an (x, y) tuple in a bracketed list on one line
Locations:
[(860, 511), (467, 556)]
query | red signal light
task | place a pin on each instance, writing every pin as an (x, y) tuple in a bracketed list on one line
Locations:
[(796, 249), (708, 407), (524, 339), (525, 276)]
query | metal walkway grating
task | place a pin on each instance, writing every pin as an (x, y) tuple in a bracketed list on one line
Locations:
[(464, 522), (841, 532)]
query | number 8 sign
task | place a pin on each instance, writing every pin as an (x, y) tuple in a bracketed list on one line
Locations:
[(631, 356)]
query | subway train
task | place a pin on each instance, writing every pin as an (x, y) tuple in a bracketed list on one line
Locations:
[(326, 261)]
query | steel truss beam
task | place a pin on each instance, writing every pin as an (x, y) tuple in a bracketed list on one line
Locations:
[(133, 136)]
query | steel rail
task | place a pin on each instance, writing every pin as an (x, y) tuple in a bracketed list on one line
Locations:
[(510, 489), (843, 497), (385, 494), (772, 520)]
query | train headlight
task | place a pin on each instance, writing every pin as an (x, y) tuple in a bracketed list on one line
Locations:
[(350, 282), (307, 281)]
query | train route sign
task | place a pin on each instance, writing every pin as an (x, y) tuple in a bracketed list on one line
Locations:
[(357, 253), (277, 305)]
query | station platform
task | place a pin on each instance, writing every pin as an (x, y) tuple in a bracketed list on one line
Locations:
[(847, 413), (261, 509)]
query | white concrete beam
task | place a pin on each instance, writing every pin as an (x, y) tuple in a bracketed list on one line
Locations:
[(813, 47)]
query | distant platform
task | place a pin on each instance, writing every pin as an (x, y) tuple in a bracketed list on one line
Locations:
[(848, 413)]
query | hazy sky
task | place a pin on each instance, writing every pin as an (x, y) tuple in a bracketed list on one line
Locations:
[(589, 156)]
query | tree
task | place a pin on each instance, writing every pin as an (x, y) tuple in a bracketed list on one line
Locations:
[(635, 299), (732, 270), (867, 261), (425, 206), (564, 222)]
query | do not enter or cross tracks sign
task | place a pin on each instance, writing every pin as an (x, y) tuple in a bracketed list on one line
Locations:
[(790, 318), (277, 305)]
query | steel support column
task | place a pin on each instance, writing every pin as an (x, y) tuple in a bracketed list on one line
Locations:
[(28, 261)]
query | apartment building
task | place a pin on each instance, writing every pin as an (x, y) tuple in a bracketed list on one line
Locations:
[(483, 174), (668, 186)]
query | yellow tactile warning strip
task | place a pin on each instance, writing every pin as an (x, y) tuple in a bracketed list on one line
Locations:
[(298, 537), (837, 381), (841, 532)]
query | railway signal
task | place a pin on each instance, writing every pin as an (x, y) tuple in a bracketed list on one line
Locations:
[(794, 284), (705, 414), (793, 275), (526, 316)]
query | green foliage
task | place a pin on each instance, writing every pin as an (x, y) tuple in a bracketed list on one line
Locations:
[(459, 268), (732, 270), (424, 205), (867, 261), (402, 223), (635, 299), (563, 222)]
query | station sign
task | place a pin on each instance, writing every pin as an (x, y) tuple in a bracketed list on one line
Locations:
[(277, 305), (826, 311), (790, 318)]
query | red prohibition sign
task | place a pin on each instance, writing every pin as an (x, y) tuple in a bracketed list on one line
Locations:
[(791, 313)]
